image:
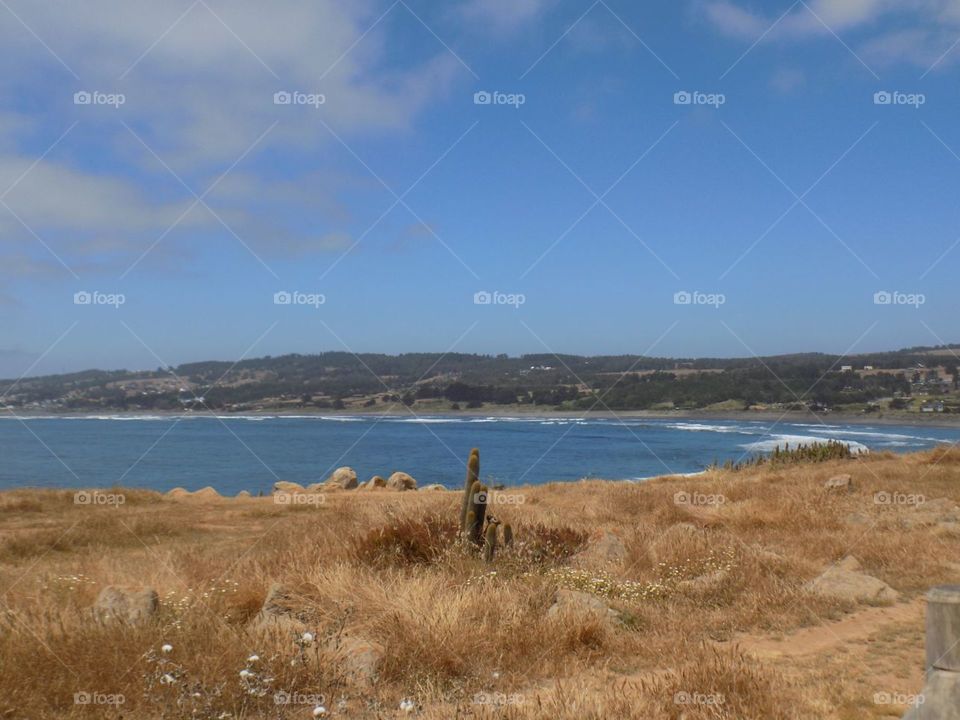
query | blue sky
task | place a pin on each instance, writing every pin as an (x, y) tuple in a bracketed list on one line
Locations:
[(782, 198)]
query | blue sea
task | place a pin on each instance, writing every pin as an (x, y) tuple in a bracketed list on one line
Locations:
[(249, 453)]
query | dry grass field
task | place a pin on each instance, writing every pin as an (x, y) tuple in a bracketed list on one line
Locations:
[(379, 611)]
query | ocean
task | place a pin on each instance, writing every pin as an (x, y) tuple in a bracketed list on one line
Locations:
[(234, 453)]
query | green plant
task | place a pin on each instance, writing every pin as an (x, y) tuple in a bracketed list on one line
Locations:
[(490, 541), (475, 526), (473, 475)]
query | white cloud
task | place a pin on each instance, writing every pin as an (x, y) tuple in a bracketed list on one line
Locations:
[(504, 15), (199, 82), (786, 80), (883, 31)]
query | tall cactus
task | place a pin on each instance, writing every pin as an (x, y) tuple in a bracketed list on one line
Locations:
[(477, 511), (490, 541), (473, 512), (473, 475)]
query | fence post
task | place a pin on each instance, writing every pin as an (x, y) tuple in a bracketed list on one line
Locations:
[(940, 698)]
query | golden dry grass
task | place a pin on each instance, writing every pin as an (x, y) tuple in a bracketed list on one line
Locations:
[(462, 638)]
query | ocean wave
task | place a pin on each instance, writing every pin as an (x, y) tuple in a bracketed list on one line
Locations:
[(792, 442), (703, 427)]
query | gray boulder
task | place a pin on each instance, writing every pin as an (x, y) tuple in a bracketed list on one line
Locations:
[(127, 605)]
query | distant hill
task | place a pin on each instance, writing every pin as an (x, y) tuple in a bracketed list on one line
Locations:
[(343, 380)]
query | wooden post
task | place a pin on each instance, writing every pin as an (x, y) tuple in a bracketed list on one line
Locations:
[(940, 698)]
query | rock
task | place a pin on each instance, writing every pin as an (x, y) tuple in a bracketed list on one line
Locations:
[(374, 483), (843, 581), (930, 512), (343, 478), (244, 494), (580, 603), (359, 657), (947, 528), (840, 483), (205, 493), (435, 486), (279, 601), (849, 563), (178, 492), (281, 612), (401, 481), (282, 486), (679, 535), (126, 605), (604, 547), (858, 518), (705, 583)]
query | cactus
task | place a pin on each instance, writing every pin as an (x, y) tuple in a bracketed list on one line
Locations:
[(473, 512), (468, 522), (490, 541), (477, 510), (473, 475)]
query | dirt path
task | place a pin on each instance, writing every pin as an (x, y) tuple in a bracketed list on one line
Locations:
[(855, 627)]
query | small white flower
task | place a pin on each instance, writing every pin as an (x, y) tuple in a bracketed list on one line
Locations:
[(166, 647), (307, 637), (407, 705), (496, 675), (253, 658), (168, 679), (245, 674), (319, 711)]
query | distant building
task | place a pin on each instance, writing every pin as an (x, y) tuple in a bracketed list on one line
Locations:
[(868, 367), (846, 368)]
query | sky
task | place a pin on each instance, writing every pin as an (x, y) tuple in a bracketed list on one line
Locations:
[(204, 179)]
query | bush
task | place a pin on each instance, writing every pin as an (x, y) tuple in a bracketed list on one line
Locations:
[(407, 541)]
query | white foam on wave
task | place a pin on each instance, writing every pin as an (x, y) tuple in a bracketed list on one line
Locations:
[(893, 437), (792, 442), (703, 427), (662, 475)]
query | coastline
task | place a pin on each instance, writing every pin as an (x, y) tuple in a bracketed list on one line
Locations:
[(767, 416)]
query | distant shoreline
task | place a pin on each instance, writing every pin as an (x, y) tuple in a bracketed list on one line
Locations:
[(793, 416)]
